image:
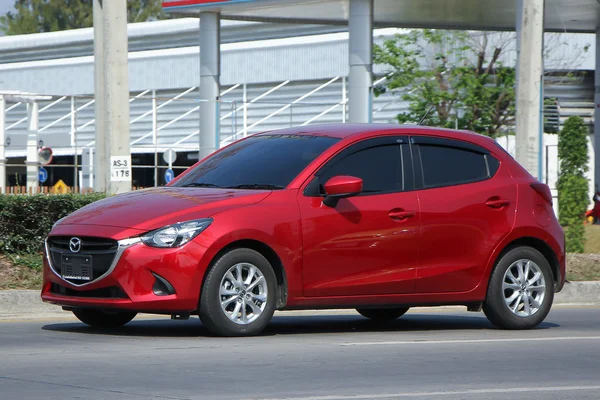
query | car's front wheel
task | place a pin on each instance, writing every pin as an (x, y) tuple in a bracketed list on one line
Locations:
[(521, 290), (238, 295), (102, 319), (382, 314)]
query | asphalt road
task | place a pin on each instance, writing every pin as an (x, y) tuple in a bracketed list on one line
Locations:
[(425, 355)]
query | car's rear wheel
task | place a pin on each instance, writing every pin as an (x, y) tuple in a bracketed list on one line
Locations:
[(103, 319), (382, 314), (521, 290), (238, 294)]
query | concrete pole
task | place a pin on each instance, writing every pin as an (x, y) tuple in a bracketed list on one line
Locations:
[(360, 78), (530, 34), (32, 161), (210, 73), (99, 161), (113, 89), (597, 112), (2, 143)]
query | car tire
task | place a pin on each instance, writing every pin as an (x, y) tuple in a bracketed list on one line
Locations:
[(102, 319), (516, 303), (382, 314), (232, 305)]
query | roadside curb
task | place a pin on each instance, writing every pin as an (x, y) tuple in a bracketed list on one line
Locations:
[(579, 292), (28, 304)]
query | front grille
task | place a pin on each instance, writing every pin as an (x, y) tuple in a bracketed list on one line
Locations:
[(113, 292), (88, 244), (102, 252)]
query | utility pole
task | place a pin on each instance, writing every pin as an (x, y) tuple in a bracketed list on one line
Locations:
[(112, 163), (530, 35), (210, 73), (360, 77)]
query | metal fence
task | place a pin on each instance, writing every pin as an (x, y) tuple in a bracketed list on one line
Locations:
[(161, 121)]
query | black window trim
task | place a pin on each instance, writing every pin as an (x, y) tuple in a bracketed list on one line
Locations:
[(312, 189), (416, 141)]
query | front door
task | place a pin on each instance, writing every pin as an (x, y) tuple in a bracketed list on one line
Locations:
[(367, 244)]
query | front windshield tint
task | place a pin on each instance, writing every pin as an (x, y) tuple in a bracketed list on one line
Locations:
[(260, 162)]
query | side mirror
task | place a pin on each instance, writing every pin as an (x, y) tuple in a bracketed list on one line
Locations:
[(341, 187)]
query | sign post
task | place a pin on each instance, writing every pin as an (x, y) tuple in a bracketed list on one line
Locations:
[(169, 175), (169, 156), (43, 175)]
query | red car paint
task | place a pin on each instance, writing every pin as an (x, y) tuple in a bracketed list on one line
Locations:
[(425, 246)]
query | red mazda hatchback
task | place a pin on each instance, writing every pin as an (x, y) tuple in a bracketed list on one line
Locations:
[(378, 218)]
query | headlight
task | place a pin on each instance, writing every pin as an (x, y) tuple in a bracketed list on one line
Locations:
[(176, 235)]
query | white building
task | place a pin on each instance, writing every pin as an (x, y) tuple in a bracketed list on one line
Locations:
[(273, 75)]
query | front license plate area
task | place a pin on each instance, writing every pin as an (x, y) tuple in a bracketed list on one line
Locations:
[(77, 267)]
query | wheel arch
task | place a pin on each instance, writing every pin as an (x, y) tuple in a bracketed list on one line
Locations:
[(539, 245), (266, 251)]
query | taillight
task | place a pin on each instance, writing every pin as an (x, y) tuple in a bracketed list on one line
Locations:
[(543, 190)]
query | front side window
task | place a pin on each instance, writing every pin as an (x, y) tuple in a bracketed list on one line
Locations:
[(380, 168), (259, 162), (446, 166)]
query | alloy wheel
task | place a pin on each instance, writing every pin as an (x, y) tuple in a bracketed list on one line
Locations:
[(243, 293), (524, 288)]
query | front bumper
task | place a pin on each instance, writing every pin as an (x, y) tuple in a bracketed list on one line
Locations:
[(142, 279)]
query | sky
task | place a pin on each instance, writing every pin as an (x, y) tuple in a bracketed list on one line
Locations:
[(6, 5)]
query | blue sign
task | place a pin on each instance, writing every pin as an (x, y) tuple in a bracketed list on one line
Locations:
[(169, 175), (43, 175)]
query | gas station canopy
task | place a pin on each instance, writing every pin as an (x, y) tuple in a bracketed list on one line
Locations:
[(560, 15)]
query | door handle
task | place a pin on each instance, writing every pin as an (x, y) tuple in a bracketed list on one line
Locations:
[(496, 202), (401, 215)]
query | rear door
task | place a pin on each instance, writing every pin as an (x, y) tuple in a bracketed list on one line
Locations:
[(467, 206)]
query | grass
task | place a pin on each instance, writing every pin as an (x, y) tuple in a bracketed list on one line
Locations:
[(592, 239), (21, 272), (586, 267), (25, 271)]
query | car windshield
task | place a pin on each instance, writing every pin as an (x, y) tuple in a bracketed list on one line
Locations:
[(261, 162)]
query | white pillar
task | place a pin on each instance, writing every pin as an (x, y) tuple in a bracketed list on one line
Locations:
[(32, 146), (210, 72), (530, 35), (2, 143), (113, 157), (100, 168), (360, 78), (597, 112)]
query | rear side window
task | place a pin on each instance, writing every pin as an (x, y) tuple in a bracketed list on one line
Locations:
[(446, 166), (379, 167)]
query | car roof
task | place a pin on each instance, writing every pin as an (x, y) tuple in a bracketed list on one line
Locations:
[(354, 131)]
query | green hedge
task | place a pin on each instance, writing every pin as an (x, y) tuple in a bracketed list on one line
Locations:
[(25, 221), (572, 184)]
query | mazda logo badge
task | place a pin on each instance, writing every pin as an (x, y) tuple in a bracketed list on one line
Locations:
[(75, 245)]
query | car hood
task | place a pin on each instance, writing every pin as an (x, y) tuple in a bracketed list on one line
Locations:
[(154, 208)]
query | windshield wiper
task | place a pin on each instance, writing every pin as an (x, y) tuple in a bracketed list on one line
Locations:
[(201, 184), (258, 186)]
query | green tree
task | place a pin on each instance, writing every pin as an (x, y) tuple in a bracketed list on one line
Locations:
[(35, 16), (460, 75), (572, 184)]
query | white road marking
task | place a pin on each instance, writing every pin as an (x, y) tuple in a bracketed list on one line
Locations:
[(471, 341), (445, 393)]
